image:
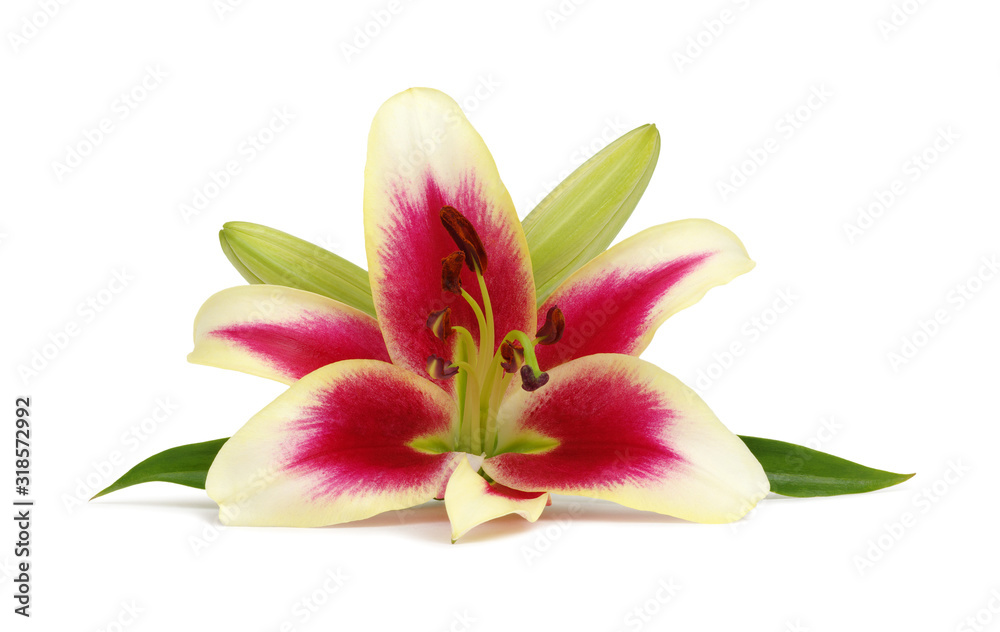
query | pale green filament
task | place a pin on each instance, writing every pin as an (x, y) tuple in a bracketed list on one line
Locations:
[(529, 350), (471, 440), (464, 350), (465, 336), (492, 431), (479, 313), (481, 380), (487, 340)]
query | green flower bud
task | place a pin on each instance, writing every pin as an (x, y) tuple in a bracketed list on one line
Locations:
[(580, 218), (265, 255)]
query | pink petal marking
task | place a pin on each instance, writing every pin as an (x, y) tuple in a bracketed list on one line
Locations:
[(612, 312), (353, 440), (496, 489), (623, 430), (610, 428), (297, 348), (410, 255)]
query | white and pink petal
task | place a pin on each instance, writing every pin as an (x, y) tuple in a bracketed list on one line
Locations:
[(423, 155), (615, 303), (471, 500), (620, 429), (281, 333), (344, 443)]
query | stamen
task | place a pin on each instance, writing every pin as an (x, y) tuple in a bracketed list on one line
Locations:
[(451, 272), (552, 331), (470, 437), (466, 238), (476, 373), (530, 381), (465, 337), (439, 323), (486, 335), (480, 318), (512, 354), (439, 369), (532, 376)]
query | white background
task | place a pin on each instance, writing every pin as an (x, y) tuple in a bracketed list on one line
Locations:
[(546, 84)]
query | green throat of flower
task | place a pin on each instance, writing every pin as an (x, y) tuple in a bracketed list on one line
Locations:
[(482, 375)]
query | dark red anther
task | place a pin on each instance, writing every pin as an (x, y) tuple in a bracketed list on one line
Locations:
[(530, 382), (551, 332), (439, 322), (466, 238), (451, 272), (512, 354), (439, 369)]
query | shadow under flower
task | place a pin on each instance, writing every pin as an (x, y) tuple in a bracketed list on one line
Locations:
[(429, 521)]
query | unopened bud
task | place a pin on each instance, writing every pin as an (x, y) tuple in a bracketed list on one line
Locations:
[(265, 255)]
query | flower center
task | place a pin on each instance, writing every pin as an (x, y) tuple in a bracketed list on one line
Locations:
[(483, 374)]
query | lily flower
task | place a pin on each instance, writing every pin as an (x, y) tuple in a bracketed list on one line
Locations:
[(463, 388)]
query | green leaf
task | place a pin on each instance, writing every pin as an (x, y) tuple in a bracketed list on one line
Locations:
[(184, 465), (796, 470), (265, 255), (580, 218)]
